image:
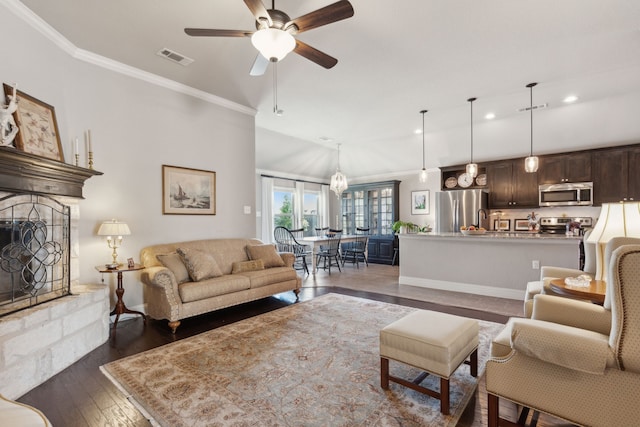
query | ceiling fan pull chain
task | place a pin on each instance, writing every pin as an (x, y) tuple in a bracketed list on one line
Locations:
[(275, 87)]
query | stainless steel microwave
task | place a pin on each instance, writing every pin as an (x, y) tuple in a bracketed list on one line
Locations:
[(566, 194)]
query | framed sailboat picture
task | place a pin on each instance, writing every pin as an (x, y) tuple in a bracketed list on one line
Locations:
[(188, 191)]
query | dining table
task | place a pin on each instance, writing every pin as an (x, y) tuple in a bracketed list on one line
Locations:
[(316, 241)]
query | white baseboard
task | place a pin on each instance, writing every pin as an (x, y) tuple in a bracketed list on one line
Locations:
[(468, 288)]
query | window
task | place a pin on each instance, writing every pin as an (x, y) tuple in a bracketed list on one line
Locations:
[(283, 208), (311, 208)]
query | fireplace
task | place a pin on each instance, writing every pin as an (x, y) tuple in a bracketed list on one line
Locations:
[(48, 320), (34, 251)]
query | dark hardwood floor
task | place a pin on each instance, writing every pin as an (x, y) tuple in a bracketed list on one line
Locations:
[(82, 396)]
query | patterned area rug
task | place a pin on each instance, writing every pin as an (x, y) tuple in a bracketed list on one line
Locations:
[(314, 363)]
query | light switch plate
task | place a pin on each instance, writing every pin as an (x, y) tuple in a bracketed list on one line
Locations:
[(247, 210)]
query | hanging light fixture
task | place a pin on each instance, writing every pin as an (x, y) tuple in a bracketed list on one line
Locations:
[(423, 172), (531, 162), (338, 179), (472, 168)]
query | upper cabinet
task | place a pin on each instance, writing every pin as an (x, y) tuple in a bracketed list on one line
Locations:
[(510, 186), (613, 177), (570, 167)]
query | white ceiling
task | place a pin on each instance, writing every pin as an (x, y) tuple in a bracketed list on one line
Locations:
[(395, 59)]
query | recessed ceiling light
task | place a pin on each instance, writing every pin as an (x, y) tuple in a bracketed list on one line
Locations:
[(569, 99), (417, 131), (490, 116), (326, 139)]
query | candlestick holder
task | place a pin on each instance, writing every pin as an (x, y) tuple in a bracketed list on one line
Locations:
[(90, 155), (77, 157)]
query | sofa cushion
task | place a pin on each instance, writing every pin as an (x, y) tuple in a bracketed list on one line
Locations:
[(173, 262), (242, 266), (267, 253), (213, 287), (270, 276), (200, 265)]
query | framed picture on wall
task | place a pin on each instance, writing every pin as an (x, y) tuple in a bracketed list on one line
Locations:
[(38, 128), (188, 191), (420, 202), (502, 224)]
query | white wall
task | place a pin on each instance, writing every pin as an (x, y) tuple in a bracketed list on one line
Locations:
[(136, 127)]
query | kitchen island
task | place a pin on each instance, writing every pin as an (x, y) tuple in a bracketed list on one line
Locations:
[(494, 264)]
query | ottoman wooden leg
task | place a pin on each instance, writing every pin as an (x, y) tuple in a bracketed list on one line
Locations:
[(384, 373), (444, 396), (474, 363)]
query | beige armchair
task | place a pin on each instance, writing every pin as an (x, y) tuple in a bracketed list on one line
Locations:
[(579, 362)]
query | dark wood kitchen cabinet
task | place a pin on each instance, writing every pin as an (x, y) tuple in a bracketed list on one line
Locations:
[(614, 174), (510, 186), (569, 167)]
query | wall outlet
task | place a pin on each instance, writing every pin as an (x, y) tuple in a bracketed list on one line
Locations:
[(535, 264)]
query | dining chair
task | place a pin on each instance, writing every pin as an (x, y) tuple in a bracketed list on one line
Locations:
[(286, 242), (356, 249), (330, 251)]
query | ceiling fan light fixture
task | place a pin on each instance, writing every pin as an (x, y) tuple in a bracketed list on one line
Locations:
[(273, 43)]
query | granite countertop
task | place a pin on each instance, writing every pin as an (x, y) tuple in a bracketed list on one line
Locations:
[(493, 235)]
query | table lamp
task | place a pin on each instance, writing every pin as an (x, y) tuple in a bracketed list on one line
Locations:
[(616, 220), (114, 231)]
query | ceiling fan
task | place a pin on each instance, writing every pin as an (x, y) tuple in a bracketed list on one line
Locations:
[(275, 30)]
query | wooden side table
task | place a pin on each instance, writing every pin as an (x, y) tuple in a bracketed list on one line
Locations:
[(595, 292), (120, 308)]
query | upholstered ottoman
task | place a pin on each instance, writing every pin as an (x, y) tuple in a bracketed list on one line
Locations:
[(437, 343)]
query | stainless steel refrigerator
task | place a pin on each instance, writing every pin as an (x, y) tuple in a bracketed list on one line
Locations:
[(458, 208)]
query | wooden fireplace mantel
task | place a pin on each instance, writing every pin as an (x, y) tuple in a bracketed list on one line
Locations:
[(22, 172)]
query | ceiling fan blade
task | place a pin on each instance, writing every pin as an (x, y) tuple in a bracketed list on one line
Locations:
[(327, 15), (258, 10), (314, 55), (259, 66), (206, 32)]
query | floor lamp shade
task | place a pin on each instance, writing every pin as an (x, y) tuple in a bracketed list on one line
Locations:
[(615, 220)]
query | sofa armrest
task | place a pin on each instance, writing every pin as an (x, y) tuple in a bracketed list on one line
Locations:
[(288, 257), (571, 312), (566, 346), (559, 272), (163, 279)]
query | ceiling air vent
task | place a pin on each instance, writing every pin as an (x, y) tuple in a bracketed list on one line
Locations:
[(535, 107), (175, 56)]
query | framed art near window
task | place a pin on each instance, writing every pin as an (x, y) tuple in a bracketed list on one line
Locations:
[(420, 202), (188, 191), (38, 129)]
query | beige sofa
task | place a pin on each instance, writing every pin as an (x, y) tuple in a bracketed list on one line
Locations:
[(186, 279)]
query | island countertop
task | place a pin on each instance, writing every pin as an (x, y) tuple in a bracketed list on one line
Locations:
[(497, 236), (494, 264)]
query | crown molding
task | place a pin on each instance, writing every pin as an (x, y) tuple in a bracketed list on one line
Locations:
[(28, 16)]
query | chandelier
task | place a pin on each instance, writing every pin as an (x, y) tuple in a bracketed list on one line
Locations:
[(338, 179)]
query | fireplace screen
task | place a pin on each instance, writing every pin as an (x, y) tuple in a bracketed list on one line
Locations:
[(34, 251)]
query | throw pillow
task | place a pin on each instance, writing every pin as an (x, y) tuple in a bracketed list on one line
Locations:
[(174, 263), (244, 266), (200, 265), (267, 253)]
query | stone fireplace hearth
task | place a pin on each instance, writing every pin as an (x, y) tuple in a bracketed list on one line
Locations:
[(63, 320)]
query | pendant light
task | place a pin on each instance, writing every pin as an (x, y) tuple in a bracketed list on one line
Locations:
[(338, 179), (472, 168), (423, 172), (531, 162)]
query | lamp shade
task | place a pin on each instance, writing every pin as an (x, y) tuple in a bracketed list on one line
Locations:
[(615, 220), (273, 43), (114, 228)]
